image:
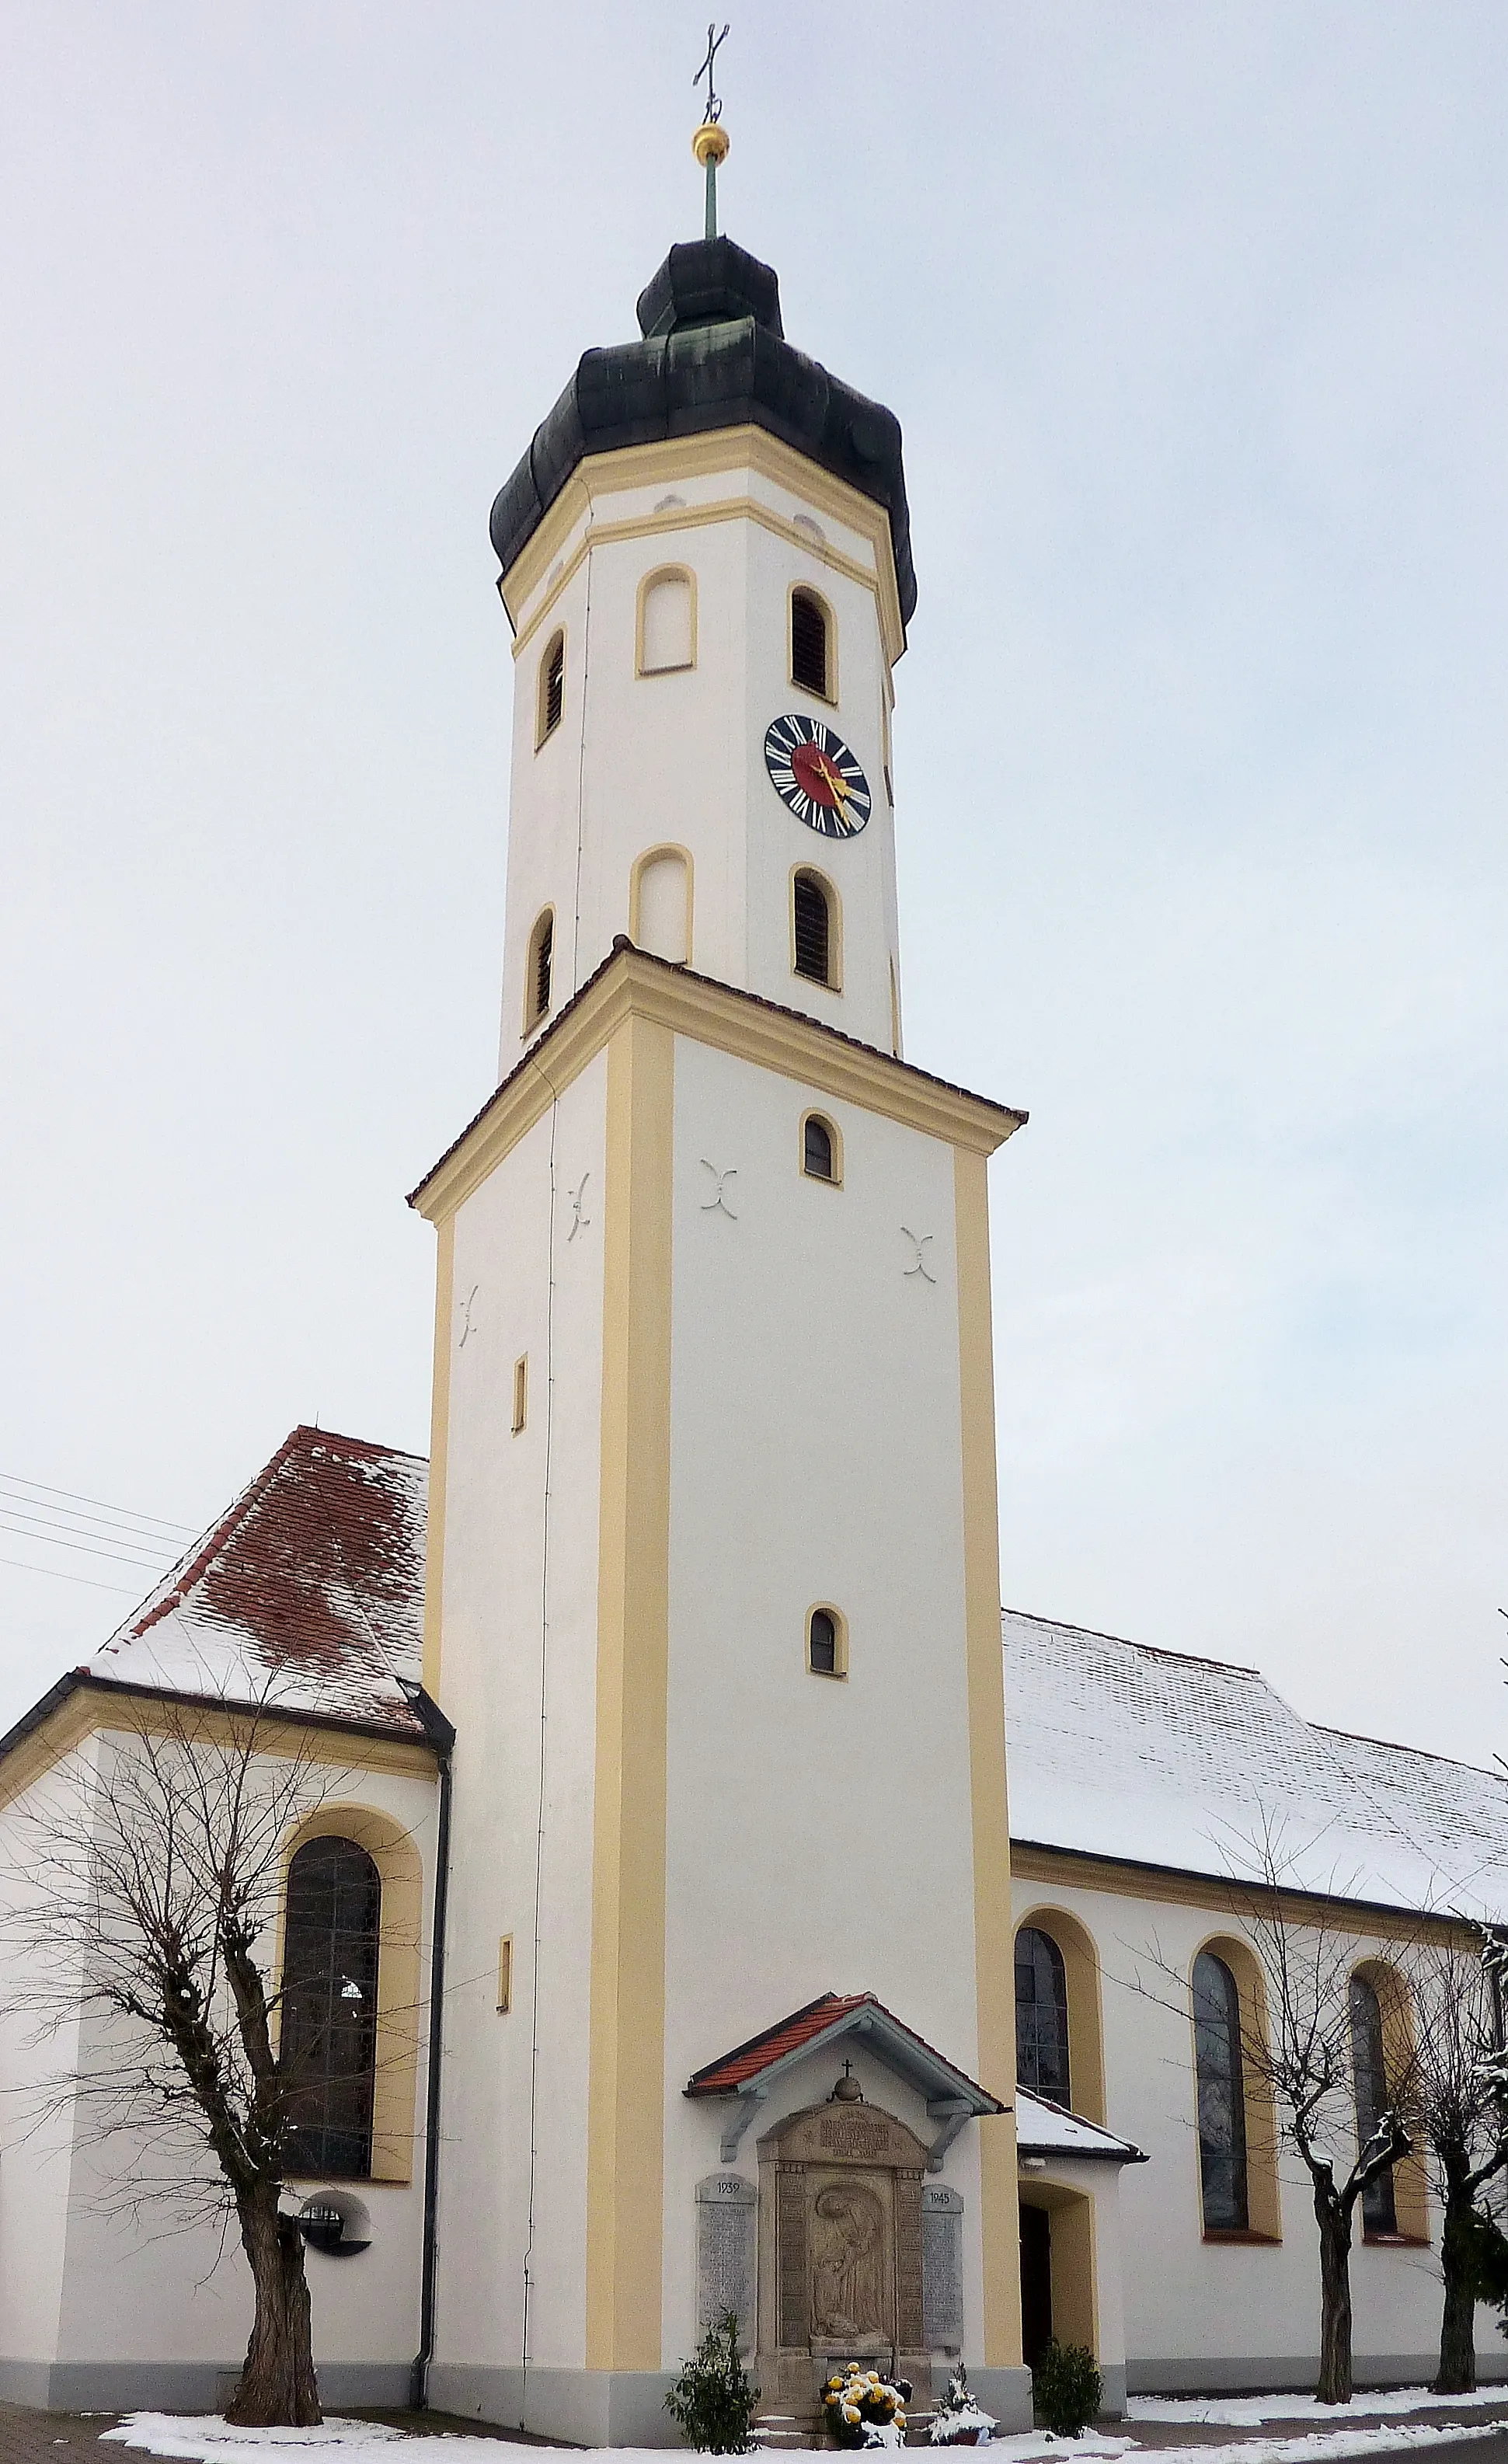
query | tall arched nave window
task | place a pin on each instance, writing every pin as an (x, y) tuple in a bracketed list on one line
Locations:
[(1221, 2096), (332, 1934), (1369, 2068), (1042, 2017)]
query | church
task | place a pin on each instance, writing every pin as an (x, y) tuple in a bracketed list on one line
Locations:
[(738, 1912)]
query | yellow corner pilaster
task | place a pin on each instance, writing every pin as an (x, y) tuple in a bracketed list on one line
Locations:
[(994, 1971), (439, 1440), (626, 2104)]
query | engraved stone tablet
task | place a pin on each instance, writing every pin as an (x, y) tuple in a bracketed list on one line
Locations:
[(942, 2270), (724, 2252)]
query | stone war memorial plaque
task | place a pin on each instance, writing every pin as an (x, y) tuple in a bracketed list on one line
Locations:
[(725, 2206), (942, 2270)]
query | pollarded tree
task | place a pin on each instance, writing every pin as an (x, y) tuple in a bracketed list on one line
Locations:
[(141, 1879), (1308, 2059), (1462, 2076)]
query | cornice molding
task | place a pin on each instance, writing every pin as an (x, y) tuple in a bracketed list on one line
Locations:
[(631, 983)]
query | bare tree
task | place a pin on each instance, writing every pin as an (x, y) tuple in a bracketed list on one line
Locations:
[(1462, 2083), (141, 1882), (1307, 2059), (1296, 2045)]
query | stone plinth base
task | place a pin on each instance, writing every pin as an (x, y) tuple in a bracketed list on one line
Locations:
[(585, 2408), (1005, 2391)]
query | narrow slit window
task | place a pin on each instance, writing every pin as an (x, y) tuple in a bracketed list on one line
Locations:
[(817, 1159), (541, 968), (811, 659), (505, 1973), (520, 1392), (812, 928), (825, 1651), (552, 688)]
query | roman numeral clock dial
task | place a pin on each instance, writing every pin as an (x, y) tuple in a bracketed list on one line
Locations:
[(812, 770)]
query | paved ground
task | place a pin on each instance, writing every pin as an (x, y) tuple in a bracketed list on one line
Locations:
[(28, 2437)]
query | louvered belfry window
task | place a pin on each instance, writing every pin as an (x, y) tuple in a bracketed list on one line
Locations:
[(551, 690), (813, 929), (809, 642), (538, 979), (329, 2013)]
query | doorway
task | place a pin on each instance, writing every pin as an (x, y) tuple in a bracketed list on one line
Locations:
[(1036, 2284)]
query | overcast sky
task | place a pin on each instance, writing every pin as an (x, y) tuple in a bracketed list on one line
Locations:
[(1193, 312)]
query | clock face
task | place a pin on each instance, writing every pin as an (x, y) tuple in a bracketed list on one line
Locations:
[(812, 771)]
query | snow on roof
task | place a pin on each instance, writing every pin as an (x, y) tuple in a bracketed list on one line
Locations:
[(308, 1592), (1044, 2129), (1115, 1749)]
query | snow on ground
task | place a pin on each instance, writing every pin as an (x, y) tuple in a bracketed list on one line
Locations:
[(1242, 2411), (209, 2440)]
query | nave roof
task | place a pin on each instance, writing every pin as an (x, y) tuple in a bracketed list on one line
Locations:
[(1147, 1757)]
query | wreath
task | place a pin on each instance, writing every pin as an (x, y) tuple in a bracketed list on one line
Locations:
[(864, 2410)]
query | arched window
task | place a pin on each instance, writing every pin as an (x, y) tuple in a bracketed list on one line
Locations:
[(810, 644), (552, 688), (666, 621), (541, 969), (328, 2046), (826, 1643), (820, 1156), (812, 936), (660, 904), (1369, 2068), (1041, 2015), (1222, 2096)]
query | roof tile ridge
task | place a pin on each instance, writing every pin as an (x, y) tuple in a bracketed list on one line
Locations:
[(1394, 1745), (1152, 1650), (177, 1583), (375, 1446)]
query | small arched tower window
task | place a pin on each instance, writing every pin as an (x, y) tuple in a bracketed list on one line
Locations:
[(331, 1939), (541, 969), (660, 904), (1370, 2067), (813, 951), (1041, 2015), (1221, 2082), (552, 688), (810, 644), (821, 1157), (826, 1643), (666, 621)]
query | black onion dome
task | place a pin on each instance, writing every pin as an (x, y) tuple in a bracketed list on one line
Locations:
[(713, 355)]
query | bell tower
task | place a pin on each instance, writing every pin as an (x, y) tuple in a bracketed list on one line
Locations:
[(705, 560), (713, 1597)]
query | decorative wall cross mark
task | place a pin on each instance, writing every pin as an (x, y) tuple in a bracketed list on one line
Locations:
[(469, 1324), (719, 1196), (579, 1223), (920, 1244)]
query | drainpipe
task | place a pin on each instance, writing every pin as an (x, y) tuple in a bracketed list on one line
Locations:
[(443, 1738)]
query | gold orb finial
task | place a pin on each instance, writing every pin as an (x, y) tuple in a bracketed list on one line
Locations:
[(711, 143)]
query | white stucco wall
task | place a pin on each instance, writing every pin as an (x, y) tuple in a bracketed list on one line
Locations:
[(678, 757), (518, 1677), (139, 2298), (1213, 2313), (818, 1831)]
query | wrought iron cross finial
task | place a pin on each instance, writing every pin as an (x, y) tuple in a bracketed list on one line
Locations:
[(714, 43)]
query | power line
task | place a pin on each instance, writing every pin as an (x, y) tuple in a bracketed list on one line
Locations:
[(78, 1530), (81, 1548), (122, 1590), (128, 1514)]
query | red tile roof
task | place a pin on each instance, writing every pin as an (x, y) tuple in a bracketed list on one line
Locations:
[(787, 2037), (307, 1592)]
